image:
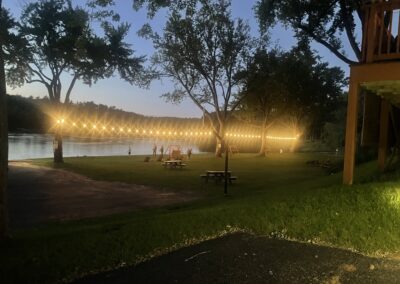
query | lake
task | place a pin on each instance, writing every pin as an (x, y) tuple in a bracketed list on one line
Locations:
[(33, 146)]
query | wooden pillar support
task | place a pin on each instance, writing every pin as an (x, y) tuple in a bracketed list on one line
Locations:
[(383, 134), (351, 133)]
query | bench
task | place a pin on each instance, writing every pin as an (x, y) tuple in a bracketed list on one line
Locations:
[(218, 178), (174, 164), (232, 178)]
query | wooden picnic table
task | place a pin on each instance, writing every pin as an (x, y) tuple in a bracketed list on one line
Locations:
[(174, 164), (218, 176)]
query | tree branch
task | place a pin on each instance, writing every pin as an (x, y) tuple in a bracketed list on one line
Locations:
[(345, 18), (40, 70), (327, 45), (71, 86), (38, 73), (197, 103), (35, 81), (238, 102)]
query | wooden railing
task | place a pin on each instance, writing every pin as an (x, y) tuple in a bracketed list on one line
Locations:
[(381, 31)]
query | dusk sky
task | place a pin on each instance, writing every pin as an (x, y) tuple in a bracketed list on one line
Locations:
[(116, 92)]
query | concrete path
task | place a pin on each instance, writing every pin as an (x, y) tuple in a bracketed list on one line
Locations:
[(39, 195), (242, 258)]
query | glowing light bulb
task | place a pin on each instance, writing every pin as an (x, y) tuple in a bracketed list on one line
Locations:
[(84, 126), (113, 129), (104, 128), (121, 129), (137, 130), (94, 126), (74, 124)]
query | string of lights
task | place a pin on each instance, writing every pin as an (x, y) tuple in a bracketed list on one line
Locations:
[(61, 123)]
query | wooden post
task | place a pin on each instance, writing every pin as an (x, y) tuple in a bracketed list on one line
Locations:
[(383, 134), (351, 133), (226, 168)]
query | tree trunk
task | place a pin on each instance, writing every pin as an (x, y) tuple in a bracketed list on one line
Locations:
[(294, 144), (219, 149), (58, 148), (263, 147), (58, 139), (3, 146)]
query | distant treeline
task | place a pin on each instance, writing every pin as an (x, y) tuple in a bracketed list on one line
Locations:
[(37, 115), (25, 115)]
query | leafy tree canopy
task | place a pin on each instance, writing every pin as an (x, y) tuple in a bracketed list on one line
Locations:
[(326, 21), (153, 6), (294, 85), (60, 39), (201, 50)]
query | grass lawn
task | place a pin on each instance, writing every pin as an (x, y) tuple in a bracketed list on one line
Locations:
[(256, 174), (278, 196)]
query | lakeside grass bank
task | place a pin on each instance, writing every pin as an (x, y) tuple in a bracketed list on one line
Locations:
[(278, 196)]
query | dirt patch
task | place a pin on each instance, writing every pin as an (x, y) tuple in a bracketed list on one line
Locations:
[(243, 258), (38, 195)]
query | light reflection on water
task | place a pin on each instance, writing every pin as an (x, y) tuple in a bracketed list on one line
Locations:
[(32, 146)]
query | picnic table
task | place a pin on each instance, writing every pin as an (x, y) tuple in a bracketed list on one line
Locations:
[(174, 164), (218, 176)]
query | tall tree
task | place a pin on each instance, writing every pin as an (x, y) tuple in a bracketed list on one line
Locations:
[(202, 50), (266, 95), (327, 22), (314, 89), (3, 130), (293, 87), (61, 42)]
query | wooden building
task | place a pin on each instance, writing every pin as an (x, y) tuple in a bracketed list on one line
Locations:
[(377, 78)]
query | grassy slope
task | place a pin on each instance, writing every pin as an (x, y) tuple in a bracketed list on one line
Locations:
[(275, 196)]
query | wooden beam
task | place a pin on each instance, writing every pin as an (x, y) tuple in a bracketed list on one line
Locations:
[(383, 134), (385, 71), (351, 133)]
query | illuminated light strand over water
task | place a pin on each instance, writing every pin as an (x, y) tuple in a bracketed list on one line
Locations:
[(282, 138), (87, 127)]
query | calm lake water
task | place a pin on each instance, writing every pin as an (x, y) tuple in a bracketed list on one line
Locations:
[(32, 146)]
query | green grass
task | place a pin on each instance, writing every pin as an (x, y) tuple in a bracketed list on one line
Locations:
[(278, 196), (255, 173)]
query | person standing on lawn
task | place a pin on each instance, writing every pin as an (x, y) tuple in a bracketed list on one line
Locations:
[(154, 150), (162, 151)]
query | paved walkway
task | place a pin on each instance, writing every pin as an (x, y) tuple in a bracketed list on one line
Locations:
[(242, 258), (38, 195)]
